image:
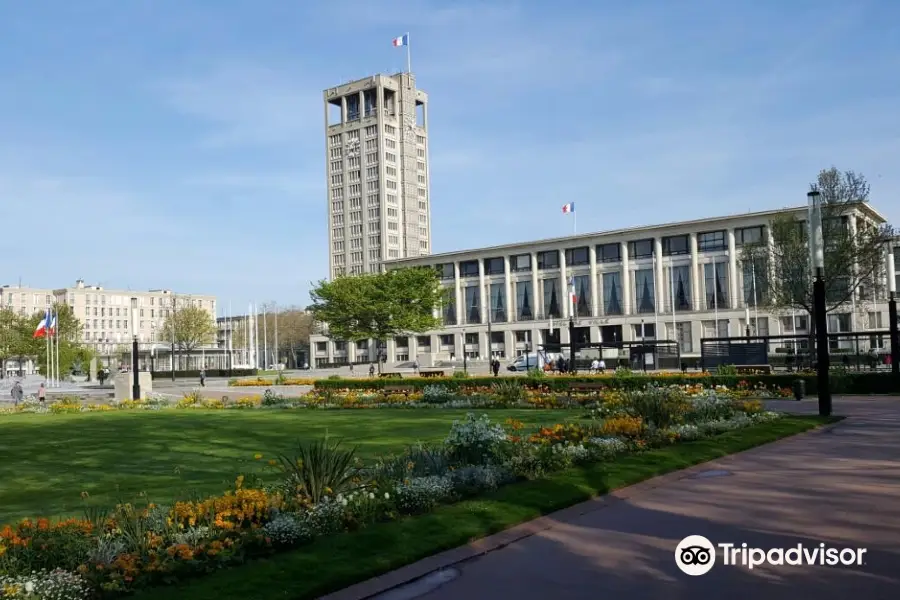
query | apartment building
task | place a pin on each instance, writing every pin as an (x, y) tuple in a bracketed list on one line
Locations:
[(376, 135), (680, 282), (105, 314)]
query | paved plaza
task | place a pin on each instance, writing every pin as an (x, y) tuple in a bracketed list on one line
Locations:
[(839, 486)]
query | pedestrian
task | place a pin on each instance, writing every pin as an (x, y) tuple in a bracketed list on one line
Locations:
[(42, 393), (495, 366), (371, 370), (351, 368), (16, 393), (202, 378), (416, 367)]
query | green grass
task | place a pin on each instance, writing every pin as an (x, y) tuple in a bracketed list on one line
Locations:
[(46, 461), (335, 562)]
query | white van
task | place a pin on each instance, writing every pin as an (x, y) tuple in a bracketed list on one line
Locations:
[(533, 360)]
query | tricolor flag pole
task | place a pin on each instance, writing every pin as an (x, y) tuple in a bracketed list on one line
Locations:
[(569, 209), (56, 333), (403, 40), (49, 368)]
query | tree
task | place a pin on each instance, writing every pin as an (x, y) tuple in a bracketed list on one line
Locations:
[(10, 329), (294, 326), (193, 326), (379, 305), (69, 336), (853, 260)]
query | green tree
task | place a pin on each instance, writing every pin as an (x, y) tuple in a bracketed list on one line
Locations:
[(68, 334), (10, 333), (853, 260), (192, 326), (380, 305)]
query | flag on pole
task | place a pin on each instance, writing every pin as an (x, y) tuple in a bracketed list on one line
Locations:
[(568, 208), (403, 40), (52, 327), (41, 329), (572, 293)]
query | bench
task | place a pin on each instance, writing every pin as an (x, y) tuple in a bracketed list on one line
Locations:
[(392, 375), (431, 373), (746, 369), (406, 390), (591, 386)]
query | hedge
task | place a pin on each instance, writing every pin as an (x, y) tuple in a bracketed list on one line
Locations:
[(195, 373), (841, 383)]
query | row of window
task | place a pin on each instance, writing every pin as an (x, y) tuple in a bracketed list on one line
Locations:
[(606, 253)]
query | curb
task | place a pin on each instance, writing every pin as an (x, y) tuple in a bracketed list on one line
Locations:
[(410, 573)]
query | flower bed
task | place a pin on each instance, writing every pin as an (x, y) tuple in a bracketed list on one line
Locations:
[(263, 382), (845, 382), (322, 488)]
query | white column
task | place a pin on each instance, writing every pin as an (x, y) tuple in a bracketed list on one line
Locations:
[(891, 271), (507, 288), (626, 280), (660, 291), (564, 285), (732, 271), (413, 343), (390, 348), (537, 300), (696, 291), (457, 281), (482, 292), (592, 254)]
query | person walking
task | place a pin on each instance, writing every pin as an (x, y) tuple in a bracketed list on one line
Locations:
[(42, 393), (202, 378), (495, 366), (16, 393)]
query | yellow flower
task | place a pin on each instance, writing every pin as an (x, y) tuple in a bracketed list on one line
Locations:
[(257, 456)]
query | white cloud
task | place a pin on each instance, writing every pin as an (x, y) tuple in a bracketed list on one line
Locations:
[(248, 105)]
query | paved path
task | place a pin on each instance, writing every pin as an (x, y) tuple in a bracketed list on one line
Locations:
[(840, 487)]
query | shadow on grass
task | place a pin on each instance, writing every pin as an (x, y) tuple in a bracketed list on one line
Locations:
[(335, 562)]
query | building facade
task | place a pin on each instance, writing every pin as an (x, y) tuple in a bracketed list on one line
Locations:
[(376, 134), (680, 282), (105, 315)]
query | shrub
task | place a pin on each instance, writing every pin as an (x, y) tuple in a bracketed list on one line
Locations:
[(460, 375), (727, 371), (475, 440), (66, 404), (623, 426), (319, 469), (660, 407), (436, 394), (56, 585), (509, 391), (422, 494)]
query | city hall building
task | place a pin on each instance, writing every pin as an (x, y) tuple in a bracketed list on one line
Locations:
[(680, 282)]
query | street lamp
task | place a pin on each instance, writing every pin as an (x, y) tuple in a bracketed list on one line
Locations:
[(135, 380), (892, 317), (465, 357), (643, 348), (817, 251), (572, 343)]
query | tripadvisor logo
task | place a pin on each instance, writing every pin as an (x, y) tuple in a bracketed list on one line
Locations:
[(696, 555)]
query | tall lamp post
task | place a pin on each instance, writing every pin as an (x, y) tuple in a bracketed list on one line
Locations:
[(572, 369), (135, 380), (465, 357), (817, 247), (892, 317)]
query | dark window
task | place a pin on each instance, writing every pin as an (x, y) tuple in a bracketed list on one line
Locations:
[(445, 271), (675, 245), (520, 262), (609, 252), (577, 256), (447, 339), (749, 235), (640, 249), (401, 342), (493, 266), (711, 241), (471, 338), (549, 259), (468, 268)]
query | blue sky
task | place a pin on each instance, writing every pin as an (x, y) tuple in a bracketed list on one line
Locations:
[(180, 143)]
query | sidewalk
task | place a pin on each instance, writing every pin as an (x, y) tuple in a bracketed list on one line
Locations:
[(839, 486)]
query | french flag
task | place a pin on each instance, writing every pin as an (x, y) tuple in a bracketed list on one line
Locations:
[(572, 293), (568, 208), (41, 330), (52, 328), (403, 40)]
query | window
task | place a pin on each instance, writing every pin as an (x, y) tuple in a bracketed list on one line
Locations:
[(374, 213), (371, 130), (497, 303), (755, 281), (644, 331), (356, 216), (473, 304), (552, 298), (680, 287), (390, 157), (675, 245), (390, 130), (582, 289), (609, 253), (355, 189), (337, 233), (548, 259), (420, 139), (355, 202), (577, 256), (716, 280), (493, 266), (420, 165), (336, 165), (371, 157), (392, 212), (519, 263), (423, 206), (644, 291), (640, 249), (422, 192), (420, 152), (421, 179), (445, 271), (711, 241), (389, 143), (374, 240), (524, 301), (390, 184), (335, 140), (355, 176), (337, 179), (612, 293), (391, 198), (337, 206), (371, 173), (337, 193), (749, 235), (468, 268), (371, 145)]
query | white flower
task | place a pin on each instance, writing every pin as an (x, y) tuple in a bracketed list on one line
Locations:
[(387, 496), (371, 496), (343, 502), (29, 586)]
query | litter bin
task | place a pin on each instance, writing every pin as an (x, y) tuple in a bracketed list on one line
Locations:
[(799, 389)]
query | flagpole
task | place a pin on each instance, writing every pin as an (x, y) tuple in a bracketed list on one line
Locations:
[(574, 223), (716, 296), (672, 299), (56, 333), (265, 338), (408, 55), (48, 375)]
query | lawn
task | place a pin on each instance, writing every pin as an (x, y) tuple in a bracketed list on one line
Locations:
[(333, 562), (49, 460)]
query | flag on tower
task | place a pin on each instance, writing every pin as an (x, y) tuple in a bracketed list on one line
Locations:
[(568, 208), (41, 329), (403, 40)]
